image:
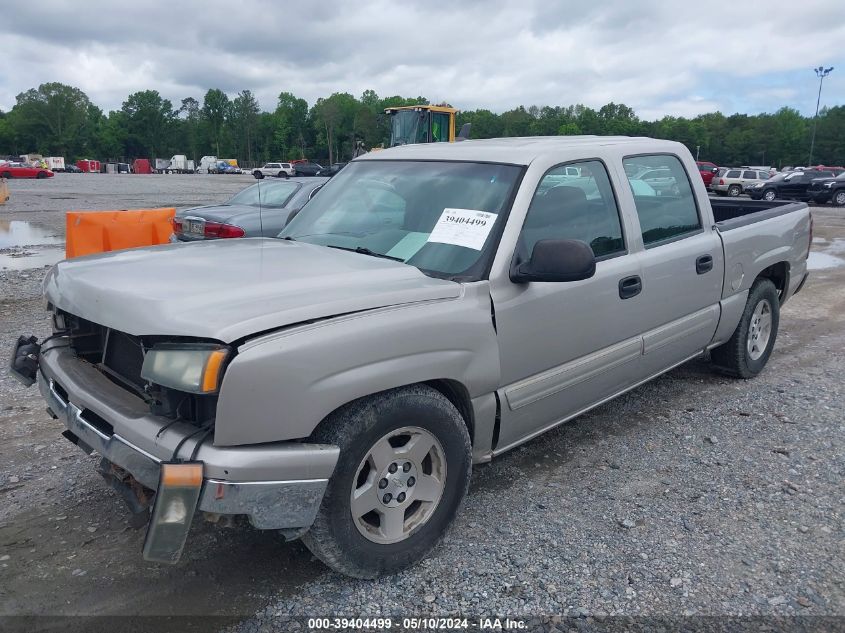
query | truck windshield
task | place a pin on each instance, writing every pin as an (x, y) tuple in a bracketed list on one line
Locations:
[(272, 194), (441, 217), (408, 127)]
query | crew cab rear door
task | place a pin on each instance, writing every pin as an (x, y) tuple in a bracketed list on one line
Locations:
[(682, 264)]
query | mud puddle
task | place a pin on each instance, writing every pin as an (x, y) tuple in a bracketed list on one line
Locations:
[(24, 246)]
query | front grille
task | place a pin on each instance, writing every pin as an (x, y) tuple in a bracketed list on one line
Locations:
[(117, 354), (124, 355), (120, 356)]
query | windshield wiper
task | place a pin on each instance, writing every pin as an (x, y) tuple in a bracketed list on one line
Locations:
[(366, 251)]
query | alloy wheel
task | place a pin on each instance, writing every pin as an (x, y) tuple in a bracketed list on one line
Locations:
[(759, 330), (398, 485)]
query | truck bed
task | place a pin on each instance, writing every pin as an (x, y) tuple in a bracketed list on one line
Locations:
[(731, 214)]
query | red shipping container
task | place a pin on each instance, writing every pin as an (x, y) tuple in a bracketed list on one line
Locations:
[(88, 165), (142, 166)]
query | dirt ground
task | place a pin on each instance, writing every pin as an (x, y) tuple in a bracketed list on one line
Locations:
[(66, 548)]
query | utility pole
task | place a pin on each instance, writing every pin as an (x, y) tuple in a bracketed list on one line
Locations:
[(821, 73), (697, 147)]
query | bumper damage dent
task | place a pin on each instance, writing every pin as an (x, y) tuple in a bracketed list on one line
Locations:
[(278, 502)]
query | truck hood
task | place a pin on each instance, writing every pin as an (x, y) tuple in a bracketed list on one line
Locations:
[(230, 289)]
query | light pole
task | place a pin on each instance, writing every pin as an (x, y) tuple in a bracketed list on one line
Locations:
[(821, 73)]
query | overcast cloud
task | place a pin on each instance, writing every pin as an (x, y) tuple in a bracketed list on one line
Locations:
[(659, 57)]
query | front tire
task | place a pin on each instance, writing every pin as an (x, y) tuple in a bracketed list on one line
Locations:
[(839, 198), (403, 471), (258, 175), (747, 351), (769, 195)]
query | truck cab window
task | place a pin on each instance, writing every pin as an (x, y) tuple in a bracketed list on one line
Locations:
[(574, 202), (666, 206)]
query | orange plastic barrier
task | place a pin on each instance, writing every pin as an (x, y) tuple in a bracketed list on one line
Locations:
[(91, 232), (4, 191)]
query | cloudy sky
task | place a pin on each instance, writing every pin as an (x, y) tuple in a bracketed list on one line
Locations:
[(658, 56)]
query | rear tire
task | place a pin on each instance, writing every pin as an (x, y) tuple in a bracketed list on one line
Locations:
[(427, 485), (839, 199), (747, 351), (734, 191), (7, 175)]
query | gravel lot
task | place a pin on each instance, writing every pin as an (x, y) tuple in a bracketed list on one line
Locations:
[(693, 495)]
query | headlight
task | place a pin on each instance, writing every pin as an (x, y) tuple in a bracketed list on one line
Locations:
[(195, 368), (828, 184)]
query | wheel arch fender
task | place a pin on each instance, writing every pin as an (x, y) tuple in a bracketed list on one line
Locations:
[(778, 273), (283, 387)]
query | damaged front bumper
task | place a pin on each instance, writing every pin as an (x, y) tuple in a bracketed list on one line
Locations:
[(277, 486)]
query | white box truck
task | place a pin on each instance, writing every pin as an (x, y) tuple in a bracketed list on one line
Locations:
[(179, 164), (55, 163), (208, 165)]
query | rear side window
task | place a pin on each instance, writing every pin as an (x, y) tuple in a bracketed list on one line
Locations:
[(734, 173), (575, 202), (669, 210), (750, 174), (763, 175)]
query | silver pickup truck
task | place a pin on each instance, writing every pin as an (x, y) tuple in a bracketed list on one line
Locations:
[(435, 306)]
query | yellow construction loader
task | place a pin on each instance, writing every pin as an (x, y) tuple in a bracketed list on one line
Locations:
[(424, 124)]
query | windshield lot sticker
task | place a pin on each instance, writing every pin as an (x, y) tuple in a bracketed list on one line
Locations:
[(463, 227)]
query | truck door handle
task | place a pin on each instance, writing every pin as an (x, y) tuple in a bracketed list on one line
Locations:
[(704, 264), (630, 287)]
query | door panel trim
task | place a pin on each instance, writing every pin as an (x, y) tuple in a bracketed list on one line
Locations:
[(556, 379), (681, 328), (530, 436)]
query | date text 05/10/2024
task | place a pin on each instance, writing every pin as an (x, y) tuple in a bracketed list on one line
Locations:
[(417, 624)]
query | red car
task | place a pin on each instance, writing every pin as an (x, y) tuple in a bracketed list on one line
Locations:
[(8, 171), (707, 170)]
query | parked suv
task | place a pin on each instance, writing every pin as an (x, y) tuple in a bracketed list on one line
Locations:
[(306, 168), (707, 170), (734, 181), (823, 190), (279, 170), (788, 186)]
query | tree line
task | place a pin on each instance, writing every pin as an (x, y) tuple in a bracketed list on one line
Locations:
[(60, 120)]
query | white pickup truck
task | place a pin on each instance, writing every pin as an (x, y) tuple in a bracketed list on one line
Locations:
[(435, 306)]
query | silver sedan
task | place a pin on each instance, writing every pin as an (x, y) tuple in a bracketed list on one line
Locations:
[(261, 210)]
